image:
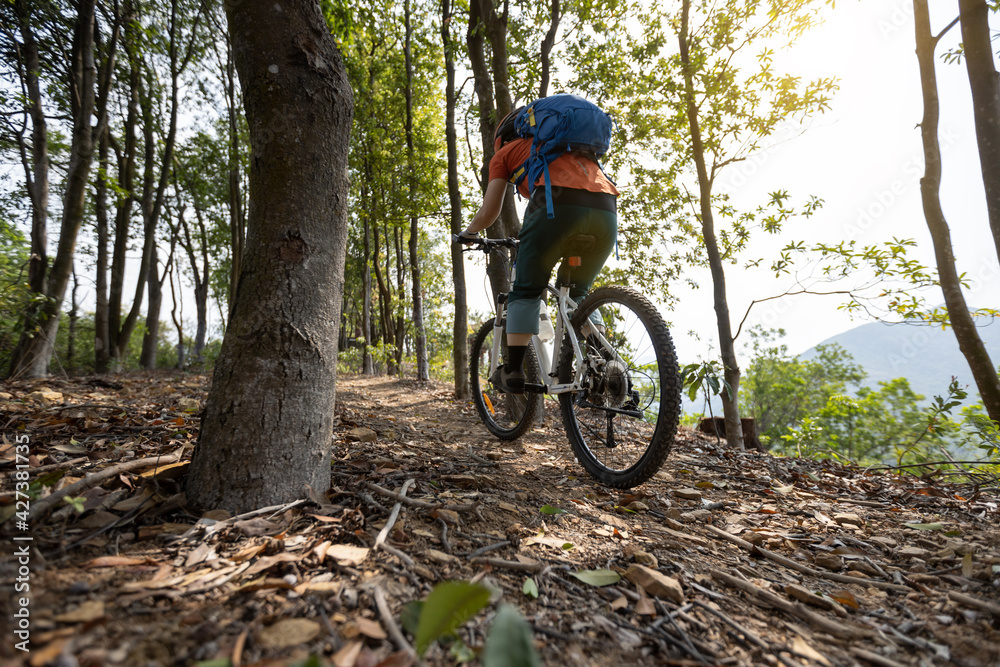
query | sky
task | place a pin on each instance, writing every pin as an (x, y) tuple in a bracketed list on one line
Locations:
[(863, 157)]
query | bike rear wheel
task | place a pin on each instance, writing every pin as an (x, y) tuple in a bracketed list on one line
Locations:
[(507, 416), (623, 425)]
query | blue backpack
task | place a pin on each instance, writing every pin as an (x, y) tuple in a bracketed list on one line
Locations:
[(556, 125)]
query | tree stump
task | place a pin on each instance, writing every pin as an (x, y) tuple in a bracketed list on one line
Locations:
[(717, 426)]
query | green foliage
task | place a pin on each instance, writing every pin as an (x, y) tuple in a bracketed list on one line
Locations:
[(15, 296), (779, 391), (510, 642), (706, 377), (447, 607)]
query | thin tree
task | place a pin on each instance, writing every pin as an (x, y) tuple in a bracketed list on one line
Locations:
[(460, 328), (984, 372), (984, 82), (419, 335), (269, 416)]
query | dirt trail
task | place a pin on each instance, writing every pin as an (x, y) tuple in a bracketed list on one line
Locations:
[(749, 559)]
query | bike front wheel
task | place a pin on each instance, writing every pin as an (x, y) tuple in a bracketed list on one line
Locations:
[(507, 416), (623, 425)]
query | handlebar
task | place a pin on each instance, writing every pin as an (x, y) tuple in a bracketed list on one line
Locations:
[(485, 244)]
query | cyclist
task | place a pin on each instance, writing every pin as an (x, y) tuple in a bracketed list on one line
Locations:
[(585, 202)]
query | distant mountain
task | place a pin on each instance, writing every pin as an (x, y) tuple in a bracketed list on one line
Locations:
[(927, 356)]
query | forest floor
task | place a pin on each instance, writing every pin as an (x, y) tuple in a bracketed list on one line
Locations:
[(727, 558)]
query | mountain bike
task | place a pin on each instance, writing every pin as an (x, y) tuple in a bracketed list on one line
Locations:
[(611, 362)]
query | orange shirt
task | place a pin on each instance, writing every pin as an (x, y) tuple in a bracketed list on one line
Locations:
[(568, 171)]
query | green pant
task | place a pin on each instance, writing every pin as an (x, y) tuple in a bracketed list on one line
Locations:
[(541, 249)]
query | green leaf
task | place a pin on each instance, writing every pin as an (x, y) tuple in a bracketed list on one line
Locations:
[(568, 546), (549, 509), (510, 642), (409, 616), (925, 526), (530, 588), (597, 577), (312, 661), (220, 662), (448, 606)]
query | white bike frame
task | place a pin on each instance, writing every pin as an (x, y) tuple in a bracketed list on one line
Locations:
[(565, 307)]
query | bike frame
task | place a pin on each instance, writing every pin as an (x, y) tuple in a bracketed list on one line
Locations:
[(565, 307)]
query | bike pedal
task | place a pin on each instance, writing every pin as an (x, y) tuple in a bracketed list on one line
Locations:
[(534, 388)]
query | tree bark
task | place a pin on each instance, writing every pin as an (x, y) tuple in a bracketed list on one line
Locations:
[(727, 348), (984, 372), (460, 328), (985, 85), (419, 335), (37, 344), (36, 170), (102, 349), (268, 421), (546, 50), (483, 20)]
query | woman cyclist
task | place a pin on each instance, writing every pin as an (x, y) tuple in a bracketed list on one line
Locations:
[(584, 203)]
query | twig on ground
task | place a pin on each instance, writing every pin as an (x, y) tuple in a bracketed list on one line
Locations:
[(805, 569), (749, 635), (422, 504), (393, 515), (444, 535), (390, 623), (796, 610), (975, 603), (42, 507), (490, 547), (509, 564), (59, 466), (874, 658)]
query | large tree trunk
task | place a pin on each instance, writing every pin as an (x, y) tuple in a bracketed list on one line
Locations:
[(102, 349), (237, 223), (36, 170), (727, 348), (268, 421), (460, 329), (983, 371), (34, 351), (486, 82), (419, 335), (985, 85)]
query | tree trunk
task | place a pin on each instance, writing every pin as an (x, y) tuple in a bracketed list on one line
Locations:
[(985, 85), (73, 316), (268, 421), (727, 348), (367, 368), (984, 372), (102, 349), (34, 351), (150, 339), (419, 335), (546, 50), (36, 170), (460, 328), (237, 223), (482, 18)]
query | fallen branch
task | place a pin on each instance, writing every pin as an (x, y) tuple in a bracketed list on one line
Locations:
[(42, 507), (975, 603), (749, 635), (874, 658), (517, 566), (794, 609), (805, 569), (422, 504), (393, 515), (390, 623)]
